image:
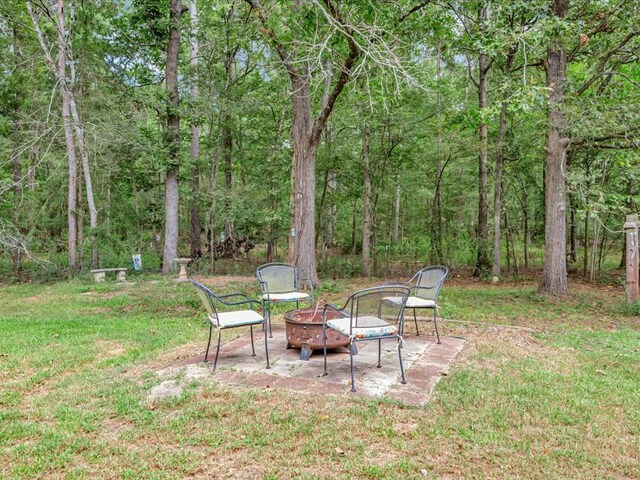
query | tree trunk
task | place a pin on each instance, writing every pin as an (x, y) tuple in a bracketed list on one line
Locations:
[(436, 221), (196, 230), (227, 159), (396, 213), (332, 185), (554, 275), (17, 184), (573, 230), (527, 229), (585, 258), (482, 234), (84, 155), (302, 252), (72, 198), (497, 196), (80, 223), (353, 228), (15, 160), (506, 227), (172, 140), (366, 218)]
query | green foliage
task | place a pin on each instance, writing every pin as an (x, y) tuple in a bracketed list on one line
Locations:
[(417, 122)]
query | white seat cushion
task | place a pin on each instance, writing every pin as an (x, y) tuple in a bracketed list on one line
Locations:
[(412, 302), (285, 297), (367, 327), (237, 318)]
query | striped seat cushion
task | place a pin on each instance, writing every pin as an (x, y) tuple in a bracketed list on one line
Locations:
[(364, 327)]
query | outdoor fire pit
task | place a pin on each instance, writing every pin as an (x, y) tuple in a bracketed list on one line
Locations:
[(304, 330)]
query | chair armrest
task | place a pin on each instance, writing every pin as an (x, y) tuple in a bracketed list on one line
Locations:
[(238, 294), (328, 306), (243, 302), (264, 286)]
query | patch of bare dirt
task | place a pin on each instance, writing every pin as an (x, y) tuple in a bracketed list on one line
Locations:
[(167, 359), (491, 347)]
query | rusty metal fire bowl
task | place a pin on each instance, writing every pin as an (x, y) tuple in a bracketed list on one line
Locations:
[(304, 330)]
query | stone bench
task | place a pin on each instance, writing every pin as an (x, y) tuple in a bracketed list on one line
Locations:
[(100, 273)]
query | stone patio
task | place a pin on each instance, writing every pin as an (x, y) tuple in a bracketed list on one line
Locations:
[(425, 363)]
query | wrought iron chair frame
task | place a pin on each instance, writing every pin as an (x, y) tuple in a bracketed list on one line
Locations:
[(267, 292), (350, 310), (414, 284), (210, 297)]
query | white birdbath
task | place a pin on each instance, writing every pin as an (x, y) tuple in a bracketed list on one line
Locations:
[(182, 275)]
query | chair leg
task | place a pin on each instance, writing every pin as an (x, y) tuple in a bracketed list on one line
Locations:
[(215, 362), (253, 348), (269, 314), (324, 343), (404, 381), (415, 320), (266, 350), (435, 323), (353, 375), (206, 355), (379, 352)]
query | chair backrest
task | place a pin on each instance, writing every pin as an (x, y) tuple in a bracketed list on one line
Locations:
[(429, 280), (280, 277), (385, 302), (207, 297)]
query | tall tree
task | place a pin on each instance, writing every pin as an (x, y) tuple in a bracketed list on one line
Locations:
[(59, 70), (196, 231), (172, 139), (554, 275), (367, 201), (307, 129), (482, 229)]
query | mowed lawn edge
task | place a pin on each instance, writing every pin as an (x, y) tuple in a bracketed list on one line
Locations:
[(555, 396)]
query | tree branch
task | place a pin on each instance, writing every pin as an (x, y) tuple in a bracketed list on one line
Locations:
[(284, 55), (345, 73), (603, 63)]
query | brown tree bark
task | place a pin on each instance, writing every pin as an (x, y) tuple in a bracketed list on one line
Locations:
[(366, 218), (227, 161), (302, 249), (17, 186), (554, 275), (306, 133), (396, 213), (436, 220), (16, 163), (497, 195), (172, 139), (194, 210), (482, 232)]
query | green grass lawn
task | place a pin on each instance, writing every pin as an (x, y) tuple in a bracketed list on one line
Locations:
[(558, 397)]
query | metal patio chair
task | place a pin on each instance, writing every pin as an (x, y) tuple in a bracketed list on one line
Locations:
[(367, 316), (230, 319), (425, 288), (279, 284)]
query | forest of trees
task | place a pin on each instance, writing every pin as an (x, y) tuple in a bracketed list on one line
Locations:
[(494, 134)]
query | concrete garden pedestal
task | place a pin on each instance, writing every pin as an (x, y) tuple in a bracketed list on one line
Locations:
[(182, 275)]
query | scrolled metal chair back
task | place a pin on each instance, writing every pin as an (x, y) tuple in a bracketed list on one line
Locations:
[(280, 277)]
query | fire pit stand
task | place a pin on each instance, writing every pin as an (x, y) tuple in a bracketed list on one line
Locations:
[(304, 330)]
